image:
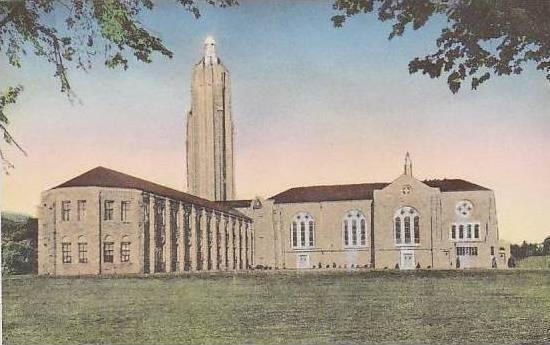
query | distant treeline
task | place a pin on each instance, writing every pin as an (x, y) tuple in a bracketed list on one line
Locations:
[(525, 249), (19, 244)]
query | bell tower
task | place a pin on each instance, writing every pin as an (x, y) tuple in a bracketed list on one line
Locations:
[(210, 171)]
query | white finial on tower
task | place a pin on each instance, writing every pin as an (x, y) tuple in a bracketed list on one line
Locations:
[(210, 51), (408, 165)]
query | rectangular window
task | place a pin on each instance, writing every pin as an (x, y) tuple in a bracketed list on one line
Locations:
[(66, 252), (453, 232), (303, 234), (397, 230), (346, 235), (311, 233), (492, 250), (294, 234), (125, 252), (469, 233), (82, 253), (124, 206), (363, 232), (416, 229), (407, 229), (65, 210), (466, 251), (108, 210), (108, 251), (81, 209), (354, 232), (461, 231), (476, 231)]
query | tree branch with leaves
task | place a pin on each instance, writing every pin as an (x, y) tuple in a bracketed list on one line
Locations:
[(482, 39)]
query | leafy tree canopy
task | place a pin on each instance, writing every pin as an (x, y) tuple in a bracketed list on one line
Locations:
[(519, 29)]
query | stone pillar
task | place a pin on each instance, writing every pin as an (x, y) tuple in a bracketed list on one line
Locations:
[(181, 243), (167, 236), (204, 240), (240, 247), (231, 243), (216, 242), (252, 245), (152, 233), (247, 242), (223, 242), (192, 238)]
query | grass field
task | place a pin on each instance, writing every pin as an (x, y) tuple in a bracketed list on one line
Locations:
[(498, 307)]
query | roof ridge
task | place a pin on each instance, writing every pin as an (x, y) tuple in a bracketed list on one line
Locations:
[(109, 178)]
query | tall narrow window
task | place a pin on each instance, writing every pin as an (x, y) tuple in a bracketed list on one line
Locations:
[(407, 223), (125, 250), (303, 233), (65, 210), (81, 209), (354, 226), (311, 231), (405, 232), (108, 250), (82, 250), (294, 234), (354, 232), (453, 231), (461, 231), (303, 230), (346, 233), (363, 232), (66, 252), (108, 210), (476, 231), (397, 230), (469, 231), (416, 222), (124, 206)]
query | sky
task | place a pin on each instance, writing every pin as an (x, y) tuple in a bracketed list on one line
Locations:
[(312, 105)]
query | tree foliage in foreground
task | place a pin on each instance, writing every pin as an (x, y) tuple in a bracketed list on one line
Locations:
[(19, 244), (482, 39), (74, 33)]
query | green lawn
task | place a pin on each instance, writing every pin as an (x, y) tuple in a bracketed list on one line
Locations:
[(499, 307)]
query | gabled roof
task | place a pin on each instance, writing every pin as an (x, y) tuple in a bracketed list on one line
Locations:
[(361, 191), (103, 177), (454, 185), (341, 192)]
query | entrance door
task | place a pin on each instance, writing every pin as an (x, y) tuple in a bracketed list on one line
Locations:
[(407, 260), (302, 261)]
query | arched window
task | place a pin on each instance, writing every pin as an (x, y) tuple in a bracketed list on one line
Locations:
[(82, 250), (66, 250), (407, 226), (354, 228), (302, 230), (125, 249), (108, 249)]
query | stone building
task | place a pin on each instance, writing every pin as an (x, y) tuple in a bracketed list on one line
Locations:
[(406, 224), (105, 222), (108, 222)]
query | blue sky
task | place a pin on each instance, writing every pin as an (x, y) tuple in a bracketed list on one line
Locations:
[(312, 104)]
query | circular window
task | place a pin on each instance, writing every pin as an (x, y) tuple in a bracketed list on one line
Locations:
[(464, 208), (406, 189)]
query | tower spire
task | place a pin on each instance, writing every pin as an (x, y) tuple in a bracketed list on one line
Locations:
[(210, 51), (408, 164)]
